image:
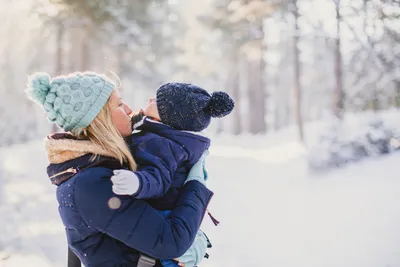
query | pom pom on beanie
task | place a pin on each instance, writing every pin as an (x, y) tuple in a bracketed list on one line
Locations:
[(38, 87), (221, 104)]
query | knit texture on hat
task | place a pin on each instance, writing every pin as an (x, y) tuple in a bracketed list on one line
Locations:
[(71, 101), (189, 107)]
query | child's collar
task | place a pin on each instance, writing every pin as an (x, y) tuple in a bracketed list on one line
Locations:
[(154, 120), (139, 123)]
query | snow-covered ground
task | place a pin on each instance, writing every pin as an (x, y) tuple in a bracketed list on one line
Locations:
[(273, 212)]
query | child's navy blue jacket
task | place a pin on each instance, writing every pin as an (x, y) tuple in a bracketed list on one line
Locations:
[(164, 156)]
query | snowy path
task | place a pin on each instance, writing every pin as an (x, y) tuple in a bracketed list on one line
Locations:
[(31, 232), (272, 212)]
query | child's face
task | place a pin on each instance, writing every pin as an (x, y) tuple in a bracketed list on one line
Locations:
[(151, 108)]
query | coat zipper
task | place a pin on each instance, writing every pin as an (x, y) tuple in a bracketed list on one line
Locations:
[(71, 170)]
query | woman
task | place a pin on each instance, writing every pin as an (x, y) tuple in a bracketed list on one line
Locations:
[(104, 229)]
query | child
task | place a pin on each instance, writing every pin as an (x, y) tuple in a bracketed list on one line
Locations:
[(169, 142)]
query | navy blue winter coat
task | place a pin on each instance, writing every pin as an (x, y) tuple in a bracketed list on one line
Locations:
[(102, 236), (164, 157)]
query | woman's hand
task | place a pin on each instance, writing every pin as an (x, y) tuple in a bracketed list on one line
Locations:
[(198, 171)]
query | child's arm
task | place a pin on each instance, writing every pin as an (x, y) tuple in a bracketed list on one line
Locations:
[(158, 159)]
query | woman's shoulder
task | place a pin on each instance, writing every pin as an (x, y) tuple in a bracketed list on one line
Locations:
[(93, 176), (82, 191), (89, 194), (92, 184)]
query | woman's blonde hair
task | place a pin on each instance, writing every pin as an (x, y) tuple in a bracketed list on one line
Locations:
[(103, 132)]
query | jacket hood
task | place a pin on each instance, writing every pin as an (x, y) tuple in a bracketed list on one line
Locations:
[(69, 155), (62, 147)]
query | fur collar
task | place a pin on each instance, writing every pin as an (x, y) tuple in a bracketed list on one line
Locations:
[(62, 147)]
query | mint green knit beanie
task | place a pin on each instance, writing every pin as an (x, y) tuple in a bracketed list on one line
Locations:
[(71, 101)]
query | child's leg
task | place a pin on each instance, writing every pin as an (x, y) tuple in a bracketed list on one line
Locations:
[(166, 213), (169, 263)]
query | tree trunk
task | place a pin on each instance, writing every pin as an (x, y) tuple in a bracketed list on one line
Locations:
[(397, 95), (78, 55), (276, 110), (256, 90), (256, 96), (120, 65), (374, 93), (59, 46), (238, 83), (85, 56), (339, 94), (297, 73), (59, 58)]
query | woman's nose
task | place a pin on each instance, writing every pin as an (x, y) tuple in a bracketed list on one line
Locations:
[(128, 110)]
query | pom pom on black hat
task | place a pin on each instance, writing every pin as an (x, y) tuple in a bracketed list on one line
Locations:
[(221, 104)]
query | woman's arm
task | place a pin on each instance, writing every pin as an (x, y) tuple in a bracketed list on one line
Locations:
[(135, 222)]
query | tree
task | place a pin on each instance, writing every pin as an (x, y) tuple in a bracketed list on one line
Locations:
[(241, 23), (375, 60), (297, 72), (140, 32), (339, 93), (59, 56)]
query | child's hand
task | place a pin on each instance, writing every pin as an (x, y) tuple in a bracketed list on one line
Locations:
[(195, 254), (124, 182)]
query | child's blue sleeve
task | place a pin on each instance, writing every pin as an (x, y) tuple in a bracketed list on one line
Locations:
[(158, 159), (166, 213), (169, 263)]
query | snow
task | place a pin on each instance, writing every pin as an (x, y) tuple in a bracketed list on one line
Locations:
[(32, 233), (273, 211), (354, 138)]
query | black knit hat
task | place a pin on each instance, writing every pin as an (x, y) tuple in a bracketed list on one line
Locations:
[(188, 107)]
